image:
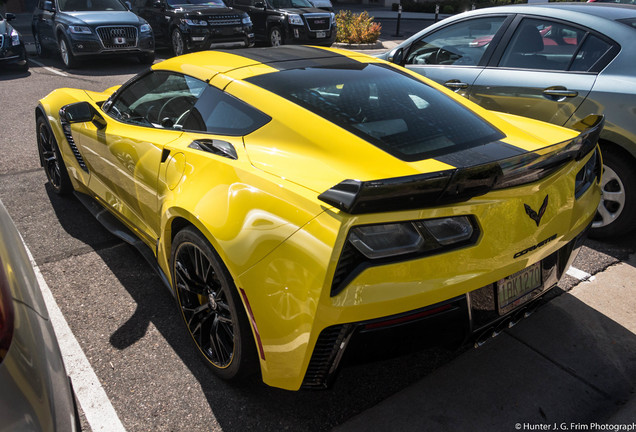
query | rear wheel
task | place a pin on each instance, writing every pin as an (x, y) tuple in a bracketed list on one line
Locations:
[(616, 213), (211, 307), (39, 48), (52, 159)]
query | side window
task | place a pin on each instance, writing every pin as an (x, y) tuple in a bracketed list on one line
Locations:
[(159, 99), (591, 51), (219, 113), (463, 43), (542, 44)]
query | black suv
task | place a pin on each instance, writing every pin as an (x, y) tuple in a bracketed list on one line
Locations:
[(186, 25), (79, 28), (278, 22)]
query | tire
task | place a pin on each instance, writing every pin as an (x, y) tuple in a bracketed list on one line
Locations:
[(177, 43), (616, 213), (275, 36), (147, 58), (39, 48), (67, 56), (51, 159), (211, 308)]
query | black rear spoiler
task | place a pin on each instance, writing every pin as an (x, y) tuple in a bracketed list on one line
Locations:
[(461, 184)]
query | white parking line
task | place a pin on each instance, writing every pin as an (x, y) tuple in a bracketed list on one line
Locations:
[(578, 274), (50, 69), (99, 412)]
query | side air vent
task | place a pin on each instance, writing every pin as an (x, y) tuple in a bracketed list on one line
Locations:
[(327, 353), (217, 147), (66, 127)]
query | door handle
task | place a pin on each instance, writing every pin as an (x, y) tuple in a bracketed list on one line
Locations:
[(560, 92), (456, 85)]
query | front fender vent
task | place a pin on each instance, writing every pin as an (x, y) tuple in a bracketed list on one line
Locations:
[(66, 128)]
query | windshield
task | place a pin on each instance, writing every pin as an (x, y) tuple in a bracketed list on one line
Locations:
[(287, 4), (210, 3), (91, 5), (399, 114)]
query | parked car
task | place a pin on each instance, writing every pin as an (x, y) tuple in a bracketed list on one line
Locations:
[(300, 199), (12, 50), (556, 62), (192, 25), (35, 392), (280, 22), (81, 28)]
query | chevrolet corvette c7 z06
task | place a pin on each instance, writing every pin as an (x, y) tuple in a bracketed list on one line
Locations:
[(298, 200)]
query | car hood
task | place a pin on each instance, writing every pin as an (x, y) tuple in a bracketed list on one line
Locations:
[(301, 11), (105, 17), (200, 11)]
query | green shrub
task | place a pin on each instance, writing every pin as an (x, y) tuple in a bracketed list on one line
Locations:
[(356, 28)]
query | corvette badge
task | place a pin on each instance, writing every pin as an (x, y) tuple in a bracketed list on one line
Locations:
[(536, 216)]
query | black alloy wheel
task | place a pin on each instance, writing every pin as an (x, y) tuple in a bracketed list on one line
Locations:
[(51, 159), (211, 307)]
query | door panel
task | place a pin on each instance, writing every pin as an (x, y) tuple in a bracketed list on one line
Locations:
[(124, 161)]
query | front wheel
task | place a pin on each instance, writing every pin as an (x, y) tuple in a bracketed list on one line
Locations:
[(275, 36), (68, 58), (616, 213), (178, 42), (211, 307), (51, 159)]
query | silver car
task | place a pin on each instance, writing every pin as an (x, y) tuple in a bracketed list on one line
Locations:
[(35, 392), (555, 62)]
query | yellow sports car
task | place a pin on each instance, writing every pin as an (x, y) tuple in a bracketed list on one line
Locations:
[(298, 200)]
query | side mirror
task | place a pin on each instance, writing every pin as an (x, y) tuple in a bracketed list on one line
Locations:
[(396, 56), (9, 16), (48, 6), (155, 3), (259, 5), (81, 112), (128, 5)]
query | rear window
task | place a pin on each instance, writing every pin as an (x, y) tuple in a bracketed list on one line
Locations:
[(392, 110)]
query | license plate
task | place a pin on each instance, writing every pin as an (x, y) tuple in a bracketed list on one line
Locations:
[(321, 34), (518, 288)]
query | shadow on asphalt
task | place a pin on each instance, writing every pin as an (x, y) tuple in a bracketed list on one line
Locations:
[(360, 387)]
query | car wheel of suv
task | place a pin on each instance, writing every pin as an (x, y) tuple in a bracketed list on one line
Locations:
[(211, 307), (275, 36), (178, 42), (51, 158), (66, 54), (617, 210)]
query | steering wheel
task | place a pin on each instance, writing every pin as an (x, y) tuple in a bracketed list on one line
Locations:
[(177, 106)]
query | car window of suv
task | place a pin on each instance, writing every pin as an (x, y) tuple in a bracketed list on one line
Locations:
[(552, 45), (159, 99), (462, 43)]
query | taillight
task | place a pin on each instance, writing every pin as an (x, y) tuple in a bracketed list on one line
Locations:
[(6, 314)]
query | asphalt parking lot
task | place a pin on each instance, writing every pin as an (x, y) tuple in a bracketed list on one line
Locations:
[(575, 355)]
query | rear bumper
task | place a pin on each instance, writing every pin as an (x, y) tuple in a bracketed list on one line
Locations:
[(472, 317)]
